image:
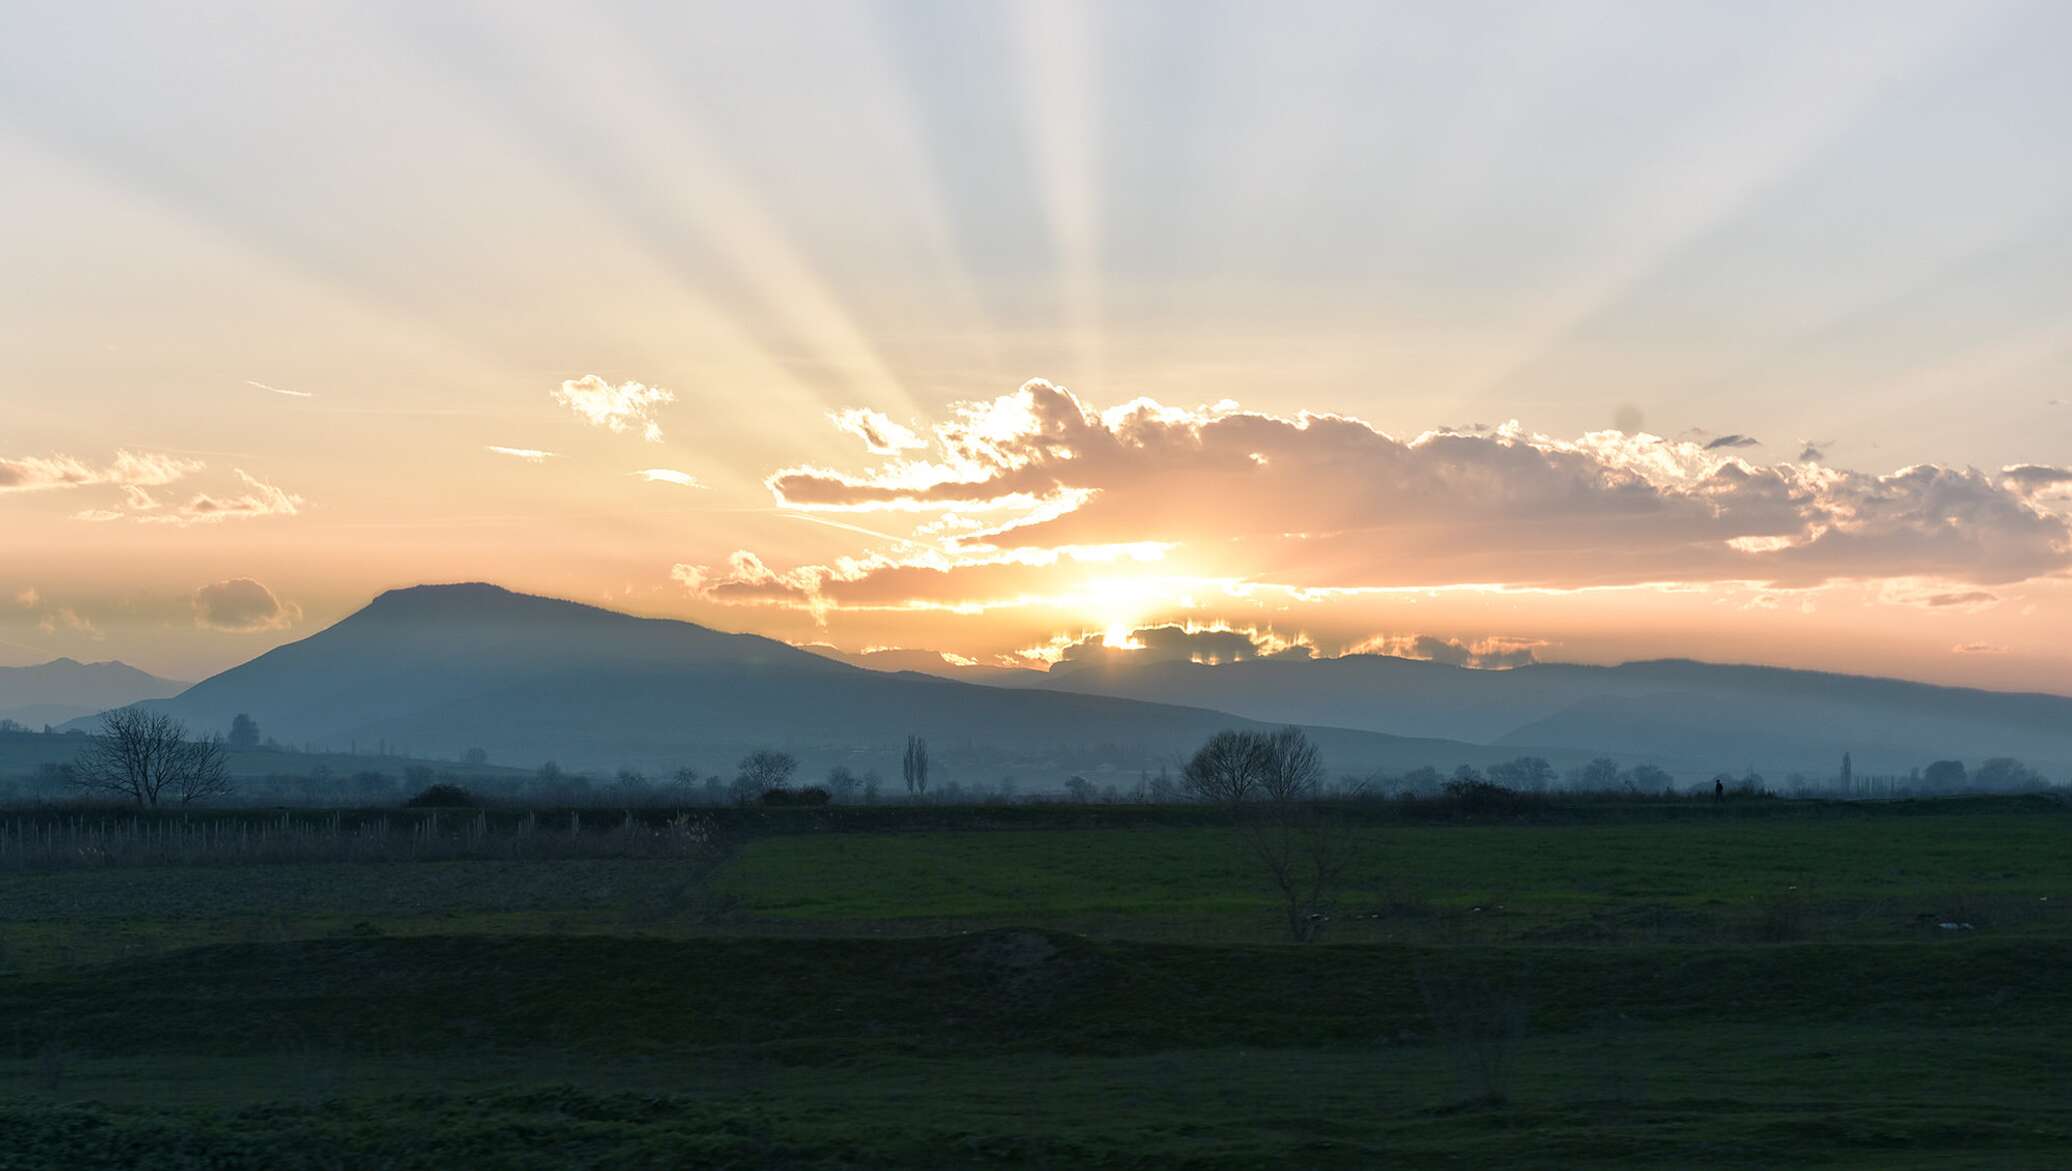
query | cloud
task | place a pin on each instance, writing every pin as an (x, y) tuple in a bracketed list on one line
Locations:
[(1814, 450), (528, 454), (135, 469), (1497, 652), (1977, 648), (1326, 502), (624, 407), (135, 474), (71, 621), (1969, 599), (259, 500), (242, 605), (279, 390), (1727, 441), (1172, 643), (880, 434), (748, 581), (1935, 595), (27, 598), (2034, 480), (669, 476)]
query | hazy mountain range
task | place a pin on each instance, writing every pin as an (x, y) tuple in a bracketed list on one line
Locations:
[(435, 670), (66, 689), (1692, 716)]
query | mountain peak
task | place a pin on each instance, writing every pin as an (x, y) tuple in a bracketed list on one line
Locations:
[(458, 589)]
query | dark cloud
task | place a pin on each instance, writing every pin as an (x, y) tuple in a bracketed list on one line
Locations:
[(242, 605), (1179, 644), (1731, 441)]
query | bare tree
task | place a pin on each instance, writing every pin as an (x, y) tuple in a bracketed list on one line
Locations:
[(1291, 768), (914, 766), (764, 770), (147, 758), (1226, 769), (842, 783), (1303, 844)]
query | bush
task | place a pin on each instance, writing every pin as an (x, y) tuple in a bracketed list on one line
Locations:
[(442, 796), (811, 795), (1476, 796)]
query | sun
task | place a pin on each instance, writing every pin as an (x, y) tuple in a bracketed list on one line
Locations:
[(1119, 605)]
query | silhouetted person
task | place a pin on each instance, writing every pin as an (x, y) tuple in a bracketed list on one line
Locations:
[(1719, 789)]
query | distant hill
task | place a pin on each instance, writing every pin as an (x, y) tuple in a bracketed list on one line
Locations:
[(925, 663), (435, 670), (1694, 716), (66, 689)]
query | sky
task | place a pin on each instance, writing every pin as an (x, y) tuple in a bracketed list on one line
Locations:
[(1479, 332)]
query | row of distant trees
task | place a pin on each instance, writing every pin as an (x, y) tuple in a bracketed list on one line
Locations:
[(150, 759)]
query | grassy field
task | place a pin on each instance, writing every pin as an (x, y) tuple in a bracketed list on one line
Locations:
[(1669, 991)]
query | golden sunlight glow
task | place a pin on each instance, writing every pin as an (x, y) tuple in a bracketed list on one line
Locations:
[(1119, 605)]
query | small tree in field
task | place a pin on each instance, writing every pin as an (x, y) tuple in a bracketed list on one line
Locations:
[(147, 758), (244, 732), (914, 766), (842, 783), (1302, 843), (763, 771), (1291, 767), (1228, 768)]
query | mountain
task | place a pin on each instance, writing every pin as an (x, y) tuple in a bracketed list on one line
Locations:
[(435, 670), (925, 663), (1693, 716), (66, 689)]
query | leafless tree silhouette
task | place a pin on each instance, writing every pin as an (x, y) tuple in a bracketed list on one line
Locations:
[(147, 758), (1227, 769), (1272, 783)]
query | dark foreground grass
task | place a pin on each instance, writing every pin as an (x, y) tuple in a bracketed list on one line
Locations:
[(999, 991), (1730, 991), (1023, 1049), (1825, 876)]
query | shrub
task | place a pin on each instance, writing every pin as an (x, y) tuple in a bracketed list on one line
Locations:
[(442, 796), (810, 795), (1477, 796)]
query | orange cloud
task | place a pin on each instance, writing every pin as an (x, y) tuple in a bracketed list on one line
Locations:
[(1324, 502)]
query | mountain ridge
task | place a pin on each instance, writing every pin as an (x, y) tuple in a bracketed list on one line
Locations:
[(437, 669)]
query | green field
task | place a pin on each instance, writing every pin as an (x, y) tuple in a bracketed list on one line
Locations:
[(1661, 988)]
